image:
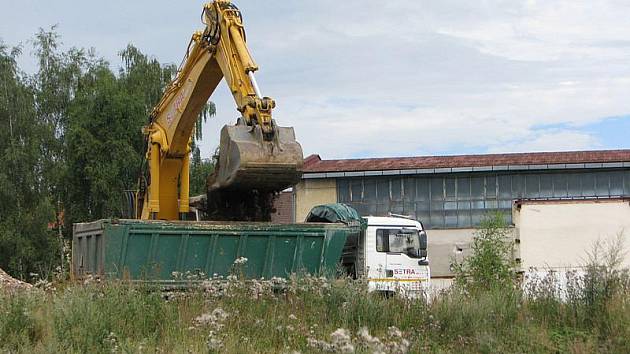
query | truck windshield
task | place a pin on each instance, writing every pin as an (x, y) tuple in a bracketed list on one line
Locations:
[(401, 240)]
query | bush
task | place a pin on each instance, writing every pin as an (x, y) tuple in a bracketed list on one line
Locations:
[(491, 264)]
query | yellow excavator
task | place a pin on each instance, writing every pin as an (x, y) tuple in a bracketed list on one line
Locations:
[(255, 154)]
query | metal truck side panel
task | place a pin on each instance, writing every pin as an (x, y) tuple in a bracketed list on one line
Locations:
[(130, 249)]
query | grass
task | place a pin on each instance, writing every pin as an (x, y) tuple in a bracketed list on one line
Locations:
[(253, 317), (489, 310)]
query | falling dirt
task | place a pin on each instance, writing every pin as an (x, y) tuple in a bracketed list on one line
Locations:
[(240, 205)]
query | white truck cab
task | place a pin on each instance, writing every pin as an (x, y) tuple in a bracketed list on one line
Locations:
[(390, 252), (395, 250)]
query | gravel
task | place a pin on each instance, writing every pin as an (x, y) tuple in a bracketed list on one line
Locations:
[(7, 282)]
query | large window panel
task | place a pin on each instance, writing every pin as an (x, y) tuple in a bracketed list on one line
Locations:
[(450, 188), (437, 218), (546, 186), (505, 186), (383, 209), (463, 188), (426, 206), (616, 183), (371, 209), (369, 190), (574, 189), (602, 185), (463, 218), (409, 207), (396, 188), (436, 206), (361, 208), (463, 205), (343, 190), (532, 186), (424, 218), (382, 190), (437, 189), (356, 190), (450, 205), (477, 216), (450, 219), (560, 185), (491, 204), (505, 204), (477, 204), (477, 189), (491, 186), (397, 208), (588, 184), (409, 189), (423, 188), (518, 186), (461, 200)]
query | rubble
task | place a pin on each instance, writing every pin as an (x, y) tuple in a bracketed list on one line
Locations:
[(7, 282)]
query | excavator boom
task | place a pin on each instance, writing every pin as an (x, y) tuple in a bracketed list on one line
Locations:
[(254, 154)]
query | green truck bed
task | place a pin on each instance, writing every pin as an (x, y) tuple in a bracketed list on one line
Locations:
[(153, 250)]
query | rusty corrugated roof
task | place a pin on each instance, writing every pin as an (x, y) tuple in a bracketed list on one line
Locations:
[(314, 164)]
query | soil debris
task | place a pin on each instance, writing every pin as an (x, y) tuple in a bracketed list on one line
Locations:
[(7, 282), (240, 205)]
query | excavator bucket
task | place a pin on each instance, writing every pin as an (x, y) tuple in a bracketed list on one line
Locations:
[(247, 161)]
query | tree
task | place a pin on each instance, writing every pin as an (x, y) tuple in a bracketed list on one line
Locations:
[(200, 169), (72, 143), (26, 244)]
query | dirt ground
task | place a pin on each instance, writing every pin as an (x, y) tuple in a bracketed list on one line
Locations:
[(7, 282)]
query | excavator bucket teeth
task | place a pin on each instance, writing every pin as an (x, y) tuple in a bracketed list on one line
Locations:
[(247, 161)]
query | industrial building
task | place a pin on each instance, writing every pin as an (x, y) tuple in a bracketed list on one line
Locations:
[(451, 195)]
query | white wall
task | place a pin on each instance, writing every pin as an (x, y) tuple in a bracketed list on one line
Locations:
[(444, 246), (558, 234)]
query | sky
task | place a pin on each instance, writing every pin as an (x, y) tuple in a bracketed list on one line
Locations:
[(392, 78)]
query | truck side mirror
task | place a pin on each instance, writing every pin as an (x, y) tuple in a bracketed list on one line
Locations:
[(423, 241), (422, 251)]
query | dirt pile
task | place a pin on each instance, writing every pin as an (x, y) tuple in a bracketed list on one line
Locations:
[(240, 205), (7, 282)]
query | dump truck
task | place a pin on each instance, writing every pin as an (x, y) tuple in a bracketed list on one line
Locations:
[(390, 252)]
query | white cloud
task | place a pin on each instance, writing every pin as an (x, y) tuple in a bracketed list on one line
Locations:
[(401, 77)]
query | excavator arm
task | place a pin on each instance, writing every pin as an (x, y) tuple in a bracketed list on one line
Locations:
[(253, 154)]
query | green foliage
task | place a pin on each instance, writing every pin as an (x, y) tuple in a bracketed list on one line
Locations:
[(25, 207), (491, 264), (123, 317), (200, 169), (72, 144), (104, 147)]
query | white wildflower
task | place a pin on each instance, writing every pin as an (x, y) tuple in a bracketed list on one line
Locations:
[(394, 332), (240, 260), (215, 343), (341, 341), (203, 319)]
